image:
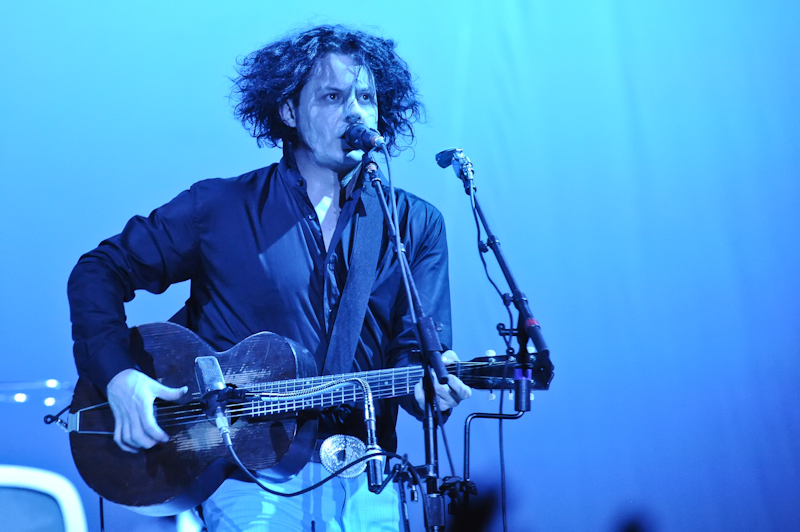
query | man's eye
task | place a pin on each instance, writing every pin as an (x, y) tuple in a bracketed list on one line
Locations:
[(332, 97)]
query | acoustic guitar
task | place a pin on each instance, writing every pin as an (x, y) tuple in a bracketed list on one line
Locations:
[(275, 437)]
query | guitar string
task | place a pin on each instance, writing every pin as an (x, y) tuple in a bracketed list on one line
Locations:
[(180, 414), (257, 408), (289, 404), (343, 394), (266, 408), (389, 388), (303, 383)]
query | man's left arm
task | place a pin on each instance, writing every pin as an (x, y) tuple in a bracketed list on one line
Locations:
[(425, 240)]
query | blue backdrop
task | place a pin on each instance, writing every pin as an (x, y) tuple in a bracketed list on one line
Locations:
[(638, 160)]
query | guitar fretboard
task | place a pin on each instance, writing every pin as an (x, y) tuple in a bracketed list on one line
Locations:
[(383, 384)]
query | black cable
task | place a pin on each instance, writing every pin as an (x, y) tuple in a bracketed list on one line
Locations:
[(481, 250), (405, 270), (333, 475), (481, 245), (440, 422), (503, 455), (509, 350), (403, 266)]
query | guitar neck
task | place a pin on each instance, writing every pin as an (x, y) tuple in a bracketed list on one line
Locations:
[(383, 383), (279, 397)]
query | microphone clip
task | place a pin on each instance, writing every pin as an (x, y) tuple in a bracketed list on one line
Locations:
[(461, 164), (220, 399)]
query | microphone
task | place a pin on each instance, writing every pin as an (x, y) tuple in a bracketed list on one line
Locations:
[(461, 164), (445, 157), (360, 137), (374, 465), (212, 387), (374, 470)]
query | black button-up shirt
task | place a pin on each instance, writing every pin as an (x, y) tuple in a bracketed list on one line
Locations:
[(253, 249)]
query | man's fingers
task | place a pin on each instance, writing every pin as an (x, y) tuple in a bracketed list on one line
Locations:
[(450, 356), (460, 390), (127, 442), (130, 395), (451, 394), (132, 433), (170, 394), (118, 437), (447, 395), (150, 428), (419, 395), (144, 436)]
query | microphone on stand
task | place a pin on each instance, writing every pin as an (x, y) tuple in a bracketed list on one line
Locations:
[(360, 137), (213, 391), (374, 465)]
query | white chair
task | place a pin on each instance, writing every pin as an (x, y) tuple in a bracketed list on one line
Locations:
[(35, 500)]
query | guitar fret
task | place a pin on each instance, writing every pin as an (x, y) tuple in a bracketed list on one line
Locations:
[(384, 383)]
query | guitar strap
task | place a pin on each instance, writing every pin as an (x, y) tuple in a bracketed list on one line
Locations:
[(357, 288)]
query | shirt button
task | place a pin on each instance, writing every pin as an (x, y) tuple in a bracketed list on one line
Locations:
[(300, 182), (330, 266), (312, 216)]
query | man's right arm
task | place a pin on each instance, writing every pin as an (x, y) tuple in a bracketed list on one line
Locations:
[(151, 253)]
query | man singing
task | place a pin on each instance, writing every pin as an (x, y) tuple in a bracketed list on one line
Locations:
[(271, 250)]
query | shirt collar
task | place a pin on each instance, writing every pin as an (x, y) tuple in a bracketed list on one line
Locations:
[(288, 170)]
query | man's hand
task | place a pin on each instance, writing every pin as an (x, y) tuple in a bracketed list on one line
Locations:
[(447, 395), (131, 394)]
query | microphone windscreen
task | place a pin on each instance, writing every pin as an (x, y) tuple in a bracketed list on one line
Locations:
[(445, 158), (209, 374), (360, 137)]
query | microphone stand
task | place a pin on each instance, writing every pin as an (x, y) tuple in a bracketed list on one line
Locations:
[(532, 372), (431, 349), (535, 372)]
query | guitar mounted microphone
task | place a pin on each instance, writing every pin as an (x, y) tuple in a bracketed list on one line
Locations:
[(215, 394)]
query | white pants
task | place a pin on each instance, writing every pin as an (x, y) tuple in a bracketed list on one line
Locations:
[(341, 505)]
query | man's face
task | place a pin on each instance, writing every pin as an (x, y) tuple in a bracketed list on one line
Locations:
[(339, 92)]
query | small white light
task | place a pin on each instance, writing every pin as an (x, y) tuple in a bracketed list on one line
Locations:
[(51, 383), (20, 397), (50, 401)]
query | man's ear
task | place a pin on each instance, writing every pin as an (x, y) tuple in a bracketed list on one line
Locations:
[(287, 113)]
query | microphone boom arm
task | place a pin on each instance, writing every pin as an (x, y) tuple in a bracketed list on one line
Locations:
[(538, 367)]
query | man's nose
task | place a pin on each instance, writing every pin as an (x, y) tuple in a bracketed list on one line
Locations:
[(354, 111)]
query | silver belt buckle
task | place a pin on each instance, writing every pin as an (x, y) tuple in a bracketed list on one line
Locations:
[(339, 450)]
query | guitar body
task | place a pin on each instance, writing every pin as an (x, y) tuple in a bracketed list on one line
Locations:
[(274, 431), (180, 474)]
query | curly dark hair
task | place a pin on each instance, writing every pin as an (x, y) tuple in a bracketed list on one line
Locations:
[(277, 73)]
